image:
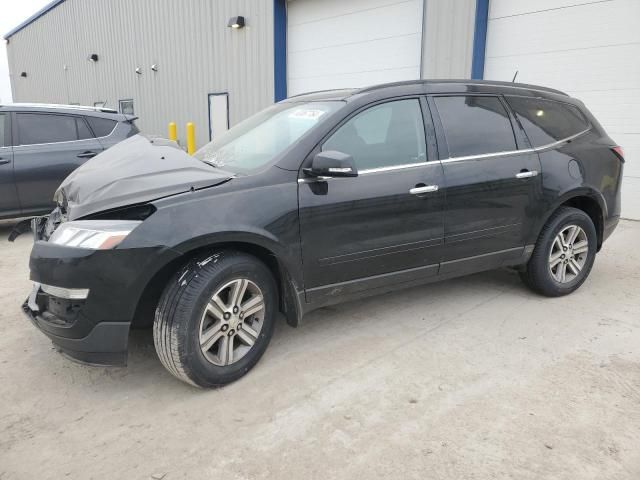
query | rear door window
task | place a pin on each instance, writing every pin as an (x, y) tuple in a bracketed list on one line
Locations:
[(36, 128), (475, 125), (101, 126), (546, 121)]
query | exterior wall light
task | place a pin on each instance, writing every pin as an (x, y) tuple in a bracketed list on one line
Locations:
[(23, 74), (154, 67), (236, 22), (93, 57), (138, 70)]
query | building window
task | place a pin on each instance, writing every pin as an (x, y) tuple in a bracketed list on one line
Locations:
[(126, 107), (99, 104)]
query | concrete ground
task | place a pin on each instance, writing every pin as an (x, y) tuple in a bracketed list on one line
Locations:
[(472, 378)]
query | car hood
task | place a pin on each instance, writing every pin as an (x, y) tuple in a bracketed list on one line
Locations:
[(139, 169)]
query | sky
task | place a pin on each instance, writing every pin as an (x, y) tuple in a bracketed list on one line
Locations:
[(13, 13)]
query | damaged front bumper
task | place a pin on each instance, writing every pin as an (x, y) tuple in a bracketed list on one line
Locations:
[(85, 300), (105, 343)]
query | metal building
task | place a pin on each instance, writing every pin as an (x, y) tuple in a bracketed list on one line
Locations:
[(180, 61), (214, 75)]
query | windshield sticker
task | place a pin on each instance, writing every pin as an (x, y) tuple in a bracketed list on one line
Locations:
[(306, 113)]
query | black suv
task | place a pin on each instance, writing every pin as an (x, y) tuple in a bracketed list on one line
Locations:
[(41, 144), (318, 199)]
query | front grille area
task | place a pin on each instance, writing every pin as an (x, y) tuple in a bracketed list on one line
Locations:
[(58, 311)]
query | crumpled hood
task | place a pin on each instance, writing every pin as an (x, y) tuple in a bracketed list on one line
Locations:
[(136, 170)]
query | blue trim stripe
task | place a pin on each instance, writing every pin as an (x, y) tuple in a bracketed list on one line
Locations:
[(33, 18), (279, 49), (480, 39)]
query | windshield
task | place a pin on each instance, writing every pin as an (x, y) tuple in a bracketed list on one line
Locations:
[(256, 141)]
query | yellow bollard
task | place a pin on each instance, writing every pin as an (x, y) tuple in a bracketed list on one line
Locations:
[(191, 138), (173, 131)]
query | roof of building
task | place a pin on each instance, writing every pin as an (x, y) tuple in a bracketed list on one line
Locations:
[(34, 17)]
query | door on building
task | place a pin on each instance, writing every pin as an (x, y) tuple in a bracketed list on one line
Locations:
[(575, 48), (9, 204), (48, 147), (484, 163), (350, 226), (343, 44), (218, 114)]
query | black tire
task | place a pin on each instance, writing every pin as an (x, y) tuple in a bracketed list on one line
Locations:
[(178, 315), (537, 274)]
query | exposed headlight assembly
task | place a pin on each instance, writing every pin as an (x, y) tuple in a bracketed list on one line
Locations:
[(93, 234)]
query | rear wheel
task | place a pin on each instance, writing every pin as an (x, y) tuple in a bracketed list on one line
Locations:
[(215, 318), (563, 255)]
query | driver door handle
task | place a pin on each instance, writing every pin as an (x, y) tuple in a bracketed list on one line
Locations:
[(4, 160), (87, 154), (527, 174), (426, 189)]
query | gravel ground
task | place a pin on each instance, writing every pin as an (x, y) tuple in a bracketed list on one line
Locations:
[(472, 378)]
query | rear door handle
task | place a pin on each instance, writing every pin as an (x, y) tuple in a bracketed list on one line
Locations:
[(425, 189), (527, 174), (4, 160), (87, 154)]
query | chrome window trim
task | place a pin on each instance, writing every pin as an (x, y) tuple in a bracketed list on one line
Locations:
[(372, 170), (454, 159), (393, 167), (56, 143), (514, 152)]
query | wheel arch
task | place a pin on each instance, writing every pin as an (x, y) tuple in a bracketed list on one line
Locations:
[(261, 248), (589, 201)]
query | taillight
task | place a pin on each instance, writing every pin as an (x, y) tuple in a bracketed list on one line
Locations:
[(619, 152)]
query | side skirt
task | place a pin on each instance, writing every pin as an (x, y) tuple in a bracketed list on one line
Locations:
[(380, 284)]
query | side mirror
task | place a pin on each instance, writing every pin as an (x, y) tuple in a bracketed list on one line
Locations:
[(332, 164)]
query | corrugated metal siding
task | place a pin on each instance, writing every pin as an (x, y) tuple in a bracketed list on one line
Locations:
[(448, 38), (195, 52)]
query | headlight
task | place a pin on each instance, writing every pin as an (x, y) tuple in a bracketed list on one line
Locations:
[(93, 234)]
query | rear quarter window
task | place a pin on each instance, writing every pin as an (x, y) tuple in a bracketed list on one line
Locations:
[(101, 126), (546, 121)]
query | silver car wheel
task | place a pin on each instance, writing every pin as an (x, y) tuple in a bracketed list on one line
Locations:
[(568, 255), (231, 322)]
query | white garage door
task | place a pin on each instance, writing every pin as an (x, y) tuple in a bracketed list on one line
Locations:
[(352, 43), (589, 49)]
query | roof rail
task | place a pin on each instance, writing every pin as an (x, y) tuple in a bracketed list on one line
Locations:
[(488, 83), (321, 91), (67, 107)]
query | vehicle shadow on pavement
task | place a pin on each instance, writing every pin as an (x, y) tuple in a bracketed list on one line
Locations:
[(327, 330), (327, 324)]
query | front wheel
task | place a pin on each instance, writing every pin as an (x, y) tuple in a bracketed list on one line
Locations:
[(563, 255), (215, 318)]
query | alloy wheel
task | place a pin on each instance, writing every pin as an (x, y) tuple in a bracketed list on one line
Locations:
[(231, 322), (568, 255)]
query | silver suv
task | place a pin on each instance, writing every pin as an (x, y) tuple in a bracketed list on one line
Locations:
[(41, 144)]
